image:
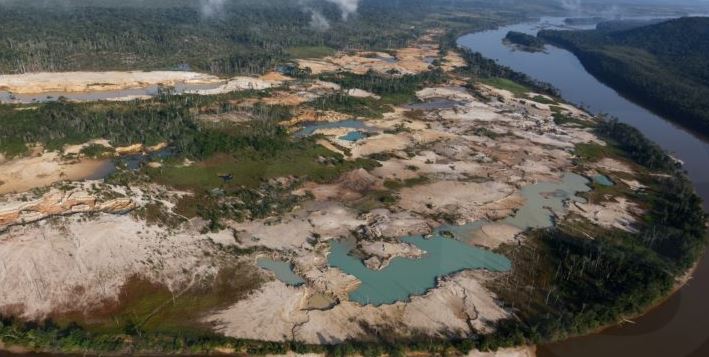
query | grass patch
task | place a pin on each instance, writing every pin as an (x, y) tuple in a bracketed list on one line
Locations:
[(543, 100), (307, 160), (144, 306), (399, 184), (562, 119), (593, 152), (501, 83), (310, 51)]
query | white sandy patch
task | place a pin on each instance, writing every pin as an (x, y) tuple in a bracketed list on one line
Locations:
[(77, 263), (96, 81), (619, 213), (471, 200), (360, 93), (613, 165), (273, 312), (381, 143), (24, 174), (492, 235), (524, 351), (239, 84)]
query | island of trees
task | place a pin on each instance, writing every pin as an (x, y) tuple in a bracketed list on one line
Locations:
[(525, 41), (662, 66)]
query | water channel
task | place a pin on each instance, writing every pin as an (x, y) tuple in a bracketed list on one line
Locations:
[(680, 326)]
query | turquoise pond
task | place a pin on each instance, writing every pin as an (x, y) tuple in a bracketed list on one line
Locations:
[(448, 250), (282, 270), (404, 277), (602, 180), (354, 136), (546, 199)]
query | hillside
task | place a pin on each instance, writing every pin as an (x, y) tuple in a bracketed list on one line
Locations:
[(661, 66)]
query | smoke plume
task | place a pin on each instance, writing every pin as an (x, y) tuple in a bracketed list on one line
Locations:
[(318, 21), (211, 8), (573, 5), (347, 7)]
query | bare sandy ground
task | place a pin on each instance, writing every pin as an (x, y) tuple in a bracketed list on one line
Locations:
[(470, 200), (409, 60), (382, 252), (275, 313), (19, 210), (24, 174), (96, 81), (471, 158), (506, 352), (618, 213), (613, 165), (72, 264), (493, 235), (243, 83)]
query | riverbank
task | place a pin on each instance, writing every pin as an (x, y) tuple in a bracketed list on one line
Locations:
[(665, 321)]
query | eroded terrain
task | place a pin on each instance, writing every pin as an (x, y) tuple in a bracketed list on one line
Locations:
[(477, 164)]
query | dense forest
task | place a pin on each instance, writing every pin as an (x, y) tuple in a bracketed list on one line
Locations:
[(576, 284), (525, 41), (662, 66), (245, 36), (568, 284)]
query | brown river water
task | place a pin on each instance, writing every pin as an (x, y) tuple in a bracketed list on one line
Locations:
[(679, 326)]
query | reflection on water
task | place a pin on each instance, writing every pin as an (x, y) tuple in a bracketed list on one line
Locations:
[(354, 136), (7, 97), (310, 128), (130, 162), (603, 180), (282, 270), (680, 326)]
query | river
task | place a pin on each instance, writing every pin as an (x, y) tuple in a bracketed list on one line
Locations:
[(679, 326)]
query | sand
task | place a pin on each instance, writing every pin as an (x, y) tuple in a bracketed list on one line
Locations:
[(24, 174), (618, 213), (96, 81), (73, 264), (276, 313)]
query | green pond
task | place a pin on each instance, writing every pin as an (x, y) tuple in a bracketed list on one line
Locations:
[(603, 180), (448, 250), (404, 277), (546, 199), (282, 270)]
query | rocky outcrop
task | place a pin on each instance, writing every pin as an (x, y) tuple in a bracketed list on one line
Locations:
[(56, 203)]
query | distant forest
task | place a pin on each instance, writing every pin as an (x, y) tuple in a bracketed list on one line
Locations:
[(663, 66), (244, 36)]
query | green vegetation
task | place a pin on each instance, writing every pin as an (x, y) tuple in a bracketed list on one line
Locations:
[(310, 51), (662, 66), (357, 107), (563, 283), (392, 89), (250, 168), (246, 36), (506, 84), (525, 41), (577, 284), (490, 72)]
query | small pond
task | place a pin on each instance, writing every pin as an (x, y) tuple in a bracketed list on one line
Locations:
[(282, 270), (354, 136), (310, 128)]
